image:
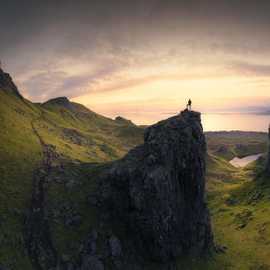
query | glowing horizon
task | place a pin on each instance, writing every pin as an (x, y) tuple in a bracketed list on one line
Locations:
[(159, 98)]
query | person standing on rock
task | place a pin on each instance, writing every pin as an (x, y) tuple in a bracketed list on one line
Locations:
[(189, 105)]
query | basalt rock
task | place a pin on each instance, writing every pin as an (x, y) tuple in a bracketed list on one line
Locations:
[(156, 192)]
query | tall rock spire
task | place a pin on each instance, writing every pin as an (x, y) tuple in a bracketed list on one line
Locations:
[(158, 190)]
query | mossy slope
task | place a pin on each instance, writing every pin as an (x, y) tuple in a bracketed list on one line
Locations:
[(77, 135)]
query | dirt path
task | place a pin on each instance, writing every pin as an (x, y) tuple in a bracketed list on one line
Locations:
[(38, 237)]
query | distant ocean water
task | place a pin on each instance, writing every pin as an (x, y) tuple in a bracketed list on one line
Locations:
[(210, 121), (234, 121)]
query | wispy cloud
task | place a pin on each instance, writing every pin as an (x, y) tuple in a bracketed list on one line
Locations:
[(246, 68), (59, 48)]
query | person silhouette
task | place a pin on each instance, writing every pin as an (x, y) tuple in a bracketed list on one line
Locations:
[(189, 105)]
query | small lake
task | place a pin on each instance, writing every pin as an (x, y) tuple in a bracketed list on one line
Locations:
[(242, 162)]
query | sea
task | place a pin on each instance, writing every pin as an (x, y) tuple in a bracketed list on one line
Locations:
[(211, 121), (234, 121)]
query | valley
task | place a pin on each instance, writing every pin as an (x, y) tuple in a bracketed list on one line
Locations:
[(239, 205)]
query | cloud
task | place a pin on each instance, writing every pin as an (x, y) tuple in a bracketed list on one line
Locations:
[(46, 85), (43, 85), (250, 69), (61, 47)]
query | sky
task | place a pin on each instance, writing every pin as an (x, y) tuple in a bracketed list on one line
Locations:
[(140, 59)]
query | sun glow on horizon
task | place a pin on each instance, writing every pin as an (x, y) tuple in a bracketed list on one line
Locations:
[(150, 101)]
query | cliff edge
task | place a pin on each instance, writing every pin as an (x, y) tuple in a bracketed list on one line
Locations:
[(157, 190)]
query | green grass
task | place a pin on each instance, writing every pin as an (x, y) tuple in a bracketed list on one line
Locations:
[(94, 138), (240, 211), (20, 154), (68, 238), (236, 143)]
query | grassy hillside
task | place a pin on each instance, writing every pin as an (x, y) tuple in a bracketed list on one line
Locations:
[(79, 133), (240, 209), (76, 135), (20, 154)]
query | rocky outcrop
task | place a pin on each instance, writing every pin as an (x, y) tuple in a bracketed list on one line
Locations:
[(156, 192), (7, 84), (123, 121), (60, 101)]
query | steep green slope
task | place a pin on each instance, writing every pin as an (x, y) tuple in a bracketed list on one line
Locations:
[(20, 154), (240, 211), (85, 135), (74, 133)]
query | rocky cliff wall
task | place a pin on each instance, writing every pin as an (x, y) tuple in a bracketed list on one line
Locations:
[(158, 190)]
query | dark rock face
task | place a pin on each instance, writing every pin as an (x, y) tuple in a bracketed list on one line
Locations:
[(7, 83), (157, 191)]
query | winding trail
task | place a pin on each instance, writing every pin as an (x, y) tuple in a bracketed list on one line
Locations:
[(38, 240)]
